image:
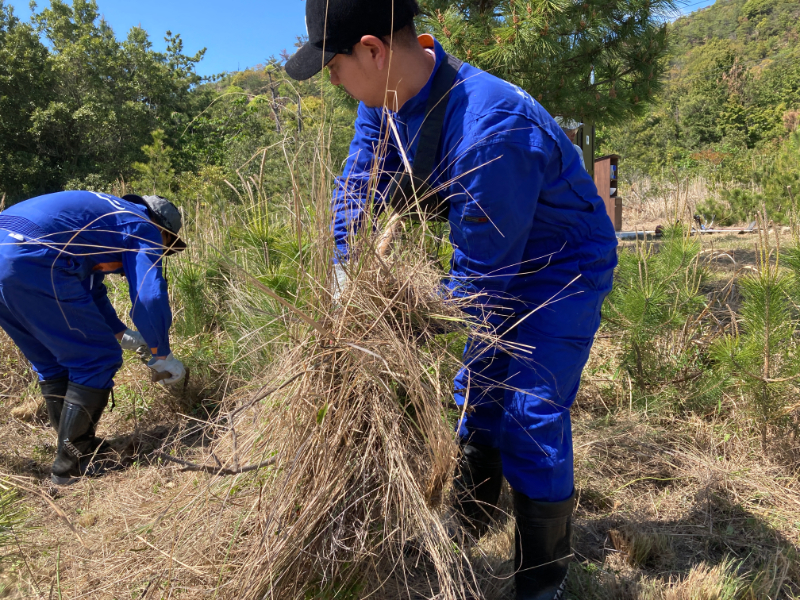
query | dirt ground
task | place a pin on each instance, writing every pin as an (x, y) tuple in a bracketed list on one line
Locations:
[(670, 508)]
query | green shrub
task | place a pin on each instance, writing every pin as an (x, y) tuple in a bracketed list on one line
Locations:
[(197, 292), (655, 298), (778, 181)]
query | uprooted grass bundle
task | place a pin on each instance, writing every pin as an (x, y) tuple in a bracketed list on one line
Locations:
[(358, 435)]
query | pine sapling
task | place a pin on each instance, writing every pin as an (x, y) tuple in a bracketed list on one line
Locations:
[(760, 352)]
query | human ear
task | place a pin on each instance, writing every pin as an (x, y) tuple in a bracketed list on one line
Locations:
[(378, 50)]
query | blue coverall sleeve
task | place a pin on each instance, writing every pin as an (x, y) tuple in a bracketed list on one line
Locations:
[(142, 264), (368, 170), (494, 199), (97, 289)]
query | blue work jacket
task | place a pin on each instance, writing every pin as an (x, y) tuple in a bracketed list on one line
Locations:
[(90, 235), (519, 198)]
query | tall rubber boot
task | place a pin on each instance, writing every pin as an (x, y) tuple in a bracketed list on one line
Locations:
[(477, 486), (54, 391), (543, 543), (83, 407)]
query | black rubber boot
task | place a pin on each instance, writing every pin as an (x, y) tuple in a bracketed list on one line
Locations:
[(83, 407), (543, 543), (477, 486), (54, 391)]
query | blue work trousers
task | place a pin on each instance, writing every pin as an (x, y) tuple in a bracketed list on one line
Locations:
[(49, 314), (519, 400)]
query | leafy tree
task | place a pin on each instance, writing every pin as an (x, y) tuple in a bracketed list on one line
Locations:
[(26, 82), (109, 95), (704, 100), (594, 60), (78, 105), (156, 176)]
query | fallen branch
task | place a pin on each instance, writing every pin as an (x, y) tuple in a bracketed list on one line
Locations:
[(189, 466), (684, 379)]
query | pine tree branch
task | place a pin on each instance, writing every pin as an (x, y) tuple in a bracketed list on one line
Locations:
[(763, 379)]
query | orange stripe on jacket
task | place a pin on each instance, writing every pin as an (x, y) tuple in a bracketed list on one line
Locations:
[(108, 267)]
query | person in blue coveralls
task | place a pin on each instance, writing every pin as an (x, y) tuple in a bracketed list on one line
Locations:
[(530, 236), (55, 251)]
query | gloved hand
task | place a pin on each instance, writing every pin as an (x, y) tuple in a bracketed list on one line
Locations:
[(169, 365), (132, 340)]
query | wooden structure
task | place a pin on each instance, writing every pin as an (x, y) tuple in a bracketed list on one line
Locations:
[(605, 178)]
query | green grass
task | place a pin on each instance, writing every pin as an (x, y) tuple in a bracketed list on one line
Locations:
[(12, 516)]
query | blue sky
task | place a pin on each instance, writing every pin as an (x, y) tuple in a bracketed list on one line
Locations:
[(689, 6), (237, 33)]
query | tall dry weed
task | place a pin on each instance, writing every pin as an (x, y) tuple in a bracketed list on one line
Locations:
[(648, 202)]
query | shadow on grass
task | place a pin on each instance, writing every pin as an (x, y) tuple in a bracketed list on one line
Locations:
[(137, 447), (623, 556)]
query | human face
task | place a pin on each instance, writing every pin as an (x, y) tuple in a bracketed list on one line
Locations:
[(361, 72), (167, 238)]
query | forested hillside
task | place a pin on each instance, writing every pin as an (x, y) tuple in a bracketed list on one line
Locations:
[(731, 95)]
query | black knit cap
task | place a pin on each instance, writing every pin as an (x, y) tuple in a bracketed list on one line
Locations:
[(336, 26)]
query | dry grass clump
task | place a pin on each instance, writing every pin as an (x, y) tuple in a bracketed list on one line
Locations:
[(667, 504), (362, 445), (707, 582), (640, 548), (32, 408), (703, 582)]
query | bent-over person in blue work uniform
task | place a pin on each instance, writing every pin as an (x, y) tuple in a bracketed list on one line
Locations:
[(55, 251), (530, 235)]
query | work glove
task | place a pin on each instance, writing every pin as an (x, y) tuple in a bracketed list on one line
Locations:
[(132, 340), (167, 371)]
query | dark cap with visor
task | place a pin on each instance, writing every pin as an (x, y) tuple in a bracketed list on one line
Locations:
[(335, 26), (164, 214)]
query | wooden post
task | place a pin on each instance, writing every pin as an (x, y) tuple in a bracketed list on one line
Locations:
[(606, 180)]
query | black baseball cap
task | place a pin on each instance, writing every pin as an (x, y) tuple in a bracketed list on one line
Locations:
[(335, 26)]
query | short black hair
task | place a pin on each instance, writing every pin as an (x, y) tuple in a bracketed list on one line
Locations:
[(405, 36)]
